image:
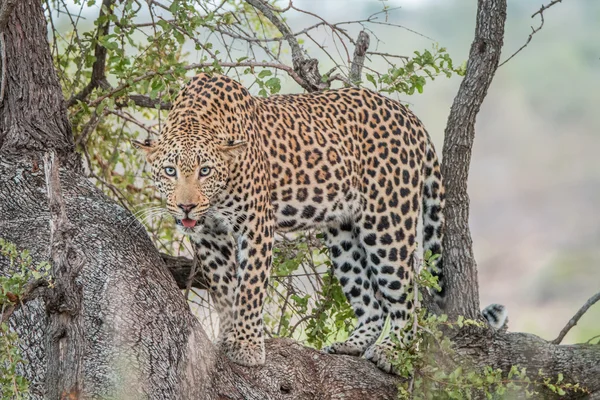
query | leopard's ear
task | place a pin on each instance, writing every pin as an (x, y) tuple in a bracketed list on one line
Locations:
[(148, 146), (232, 149)]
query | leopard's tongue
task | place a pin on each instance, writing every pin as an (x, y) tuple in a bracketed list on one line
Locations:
[(188, 223)]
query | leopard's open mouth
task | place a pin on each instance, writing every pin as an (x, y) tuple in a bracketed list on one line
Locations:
[(186, 222)]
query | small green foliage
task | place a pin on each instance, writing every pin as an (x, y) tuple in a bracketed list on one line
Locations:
[(317, 317), (414, 73), (12, 385), (434, 370), (22, 272), (272, 85), (333, 316)]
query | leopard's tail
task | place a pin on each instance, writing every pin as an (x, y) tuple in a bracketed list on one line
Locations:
[(433, 216)]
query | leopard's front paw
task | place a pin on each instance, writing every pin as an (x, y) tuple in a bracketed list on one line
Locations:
[(348, 348), (244, 352)]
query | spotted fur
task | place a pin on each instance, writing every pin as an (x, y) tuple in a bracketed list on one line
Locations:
[(353, 163), (496, 316)]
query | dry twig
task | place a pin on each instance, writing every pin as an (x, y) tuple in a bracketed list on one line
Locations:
[(573, 321), (533, 30)]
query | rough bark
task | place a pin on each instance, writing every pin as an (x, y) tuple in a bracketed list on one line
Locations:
[(459, 261), (358, 60), (32, 114), (140, 339), (578, 363), (65, 330)]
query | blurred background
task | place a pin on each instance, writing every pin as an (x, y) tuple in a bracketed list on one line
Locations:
[(534, 182)]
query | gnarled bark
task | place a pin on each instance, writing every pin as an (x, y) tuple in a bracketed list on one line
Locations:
[(140, 339)]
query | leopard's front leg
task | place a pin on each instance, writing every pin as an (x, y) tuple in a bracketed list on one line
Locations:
[(245, 344)]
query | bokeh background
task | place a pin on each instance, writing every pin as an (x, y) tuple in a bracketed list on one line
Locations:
[(534, 181)]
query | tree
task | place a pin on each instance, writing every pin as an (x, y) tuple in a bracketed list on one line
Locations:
[(114, 324)]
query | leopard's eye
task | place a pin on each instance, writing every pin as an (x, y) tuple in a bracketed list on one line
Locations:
[(170, 171), (205, 171)]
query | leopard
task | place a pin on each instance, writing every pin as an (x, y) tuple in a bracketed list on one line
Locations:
[(235, 169)]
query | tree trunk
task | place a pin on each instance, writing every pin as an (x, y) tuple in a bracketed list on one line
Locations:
[(459, 261), (33, 116)]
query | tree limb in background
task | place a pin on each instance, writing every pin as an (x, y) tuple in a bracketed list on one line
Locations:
[(460, 269), (573, 321), (306, 68), (98, 78), (533, 30), (180, 268), (358, 61)]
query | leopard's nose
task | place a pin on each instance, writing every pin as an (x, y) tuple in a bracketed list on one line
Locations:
[(187, 207)]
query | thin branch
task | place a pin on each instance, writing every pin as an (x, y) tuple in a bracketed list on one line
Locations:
[(129, 118), (306, 68), (30, 292), (573, 321), (358, 60), (250, 64), (533, 30), (98, 68)]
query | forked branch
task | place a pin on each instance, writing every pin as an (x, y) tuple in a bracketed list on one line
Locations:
[(533, 30)]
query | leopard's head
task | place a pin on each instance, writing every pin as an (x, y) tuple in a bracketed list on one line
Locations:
[(205, 133), (190, 171)]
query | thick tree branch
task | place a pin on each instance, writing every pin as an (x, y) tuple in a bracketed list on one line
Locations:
[(180, 268), (578, 363), (573, 321), (459, 262), (358, 60), (33, 113)]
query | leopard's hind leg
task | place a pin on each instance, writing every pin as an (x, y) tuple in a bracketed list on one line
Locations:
[(351, 269), (389, 240)]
